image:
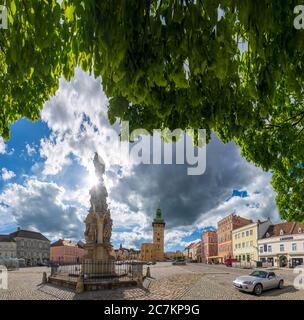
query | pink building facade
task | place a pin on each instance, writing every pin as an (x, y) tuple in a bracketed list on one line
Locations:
[(65, 251)]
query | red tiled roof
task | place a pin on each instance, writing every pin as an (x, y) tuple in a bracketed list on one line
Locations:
[(287, 228), (29, 234)]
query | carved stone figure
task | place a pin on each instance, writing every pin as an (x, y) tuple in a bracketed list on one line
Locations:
[(98, 222), (99, 192), (98, 199), (99, 166), (107, 228), (91, 228)]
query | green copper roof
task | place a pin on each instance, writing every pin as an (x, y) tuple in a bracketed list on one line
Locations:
[(158, 218)]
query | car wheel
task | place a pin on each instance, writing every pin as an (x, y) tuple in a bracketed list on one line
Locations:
[(281, 284), (258, 289)]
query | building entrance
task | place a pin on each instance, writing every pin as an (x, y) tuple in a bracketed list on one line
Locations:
[(283, 261)]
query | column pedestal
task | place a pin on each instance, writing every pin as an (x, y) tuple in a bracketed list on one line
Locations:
[(98, 263)]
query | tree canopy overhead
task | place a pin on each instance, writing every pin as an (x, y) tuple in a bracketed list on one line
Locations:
[(230, 66)]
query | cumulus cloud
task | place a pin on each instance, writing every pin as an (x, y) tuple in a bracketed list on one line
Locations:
[(7, 174), (2, 146), (195, 202), (77, 116), (39, 205)]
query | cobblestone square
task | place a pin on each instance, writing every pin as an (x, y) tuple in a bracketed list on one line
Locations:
[(192, 281)]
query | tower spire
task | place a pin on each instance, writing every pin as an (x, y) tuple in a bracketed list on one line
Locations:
[(158, 225), (158, 216)]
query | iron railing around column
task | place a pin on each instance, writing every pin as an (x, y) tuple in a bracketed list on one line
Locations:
[(98, 270)]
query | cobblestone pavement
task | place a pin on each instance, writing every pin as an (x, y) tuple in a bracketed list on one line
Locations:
[(193, 281), (216, 284)]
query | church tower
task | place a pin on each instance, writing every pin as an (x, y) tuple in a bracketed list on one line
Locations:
[(158, 225)]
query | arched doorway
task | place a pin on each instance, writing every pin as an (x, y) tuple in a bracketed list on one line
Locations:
[(283, 261)]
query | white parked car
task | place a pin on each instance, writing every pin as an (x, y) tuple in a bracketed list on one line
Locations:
[(259, 281)]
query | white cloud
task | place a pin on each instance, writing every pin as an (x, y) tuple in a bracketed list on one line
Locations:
[(258, 205), (2, 146), (7, 174), (132, 238), (77, 116), (30, 150), (39, 205)]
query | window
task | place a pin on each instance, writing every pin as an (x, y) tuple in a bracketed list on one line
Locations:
[(251, 232), (281, 232), (247, 233), (261, 249), (251, 243), (294, 247), (243, 245), (269, 248), (259, 274), (243, 234), (282, 247)]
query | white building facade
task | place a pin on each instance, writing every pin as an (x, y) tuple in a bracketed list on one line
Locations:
[(8, 247), (283, 245)]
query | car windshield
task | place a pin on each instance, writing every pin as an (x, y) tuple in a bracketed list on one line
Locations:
[(259, 274)]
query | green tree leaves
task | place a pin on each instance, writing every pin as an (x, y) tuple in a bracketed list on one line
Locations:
[(32, 50), (234, 67)]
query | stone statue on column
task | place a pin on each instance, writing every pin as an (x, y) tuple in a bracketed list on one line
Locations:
[(98, 222)]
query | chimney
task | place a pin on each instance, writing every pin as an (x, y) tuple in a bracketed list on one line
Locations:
[(18, 229)]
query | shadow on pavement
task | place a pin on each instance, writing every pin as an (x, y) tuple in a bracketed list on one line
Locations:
[(274, 292), (279, 292)]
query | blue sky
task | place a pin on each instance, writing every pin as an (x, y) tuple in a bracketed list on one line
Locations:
[(23, 132), (46, 172)]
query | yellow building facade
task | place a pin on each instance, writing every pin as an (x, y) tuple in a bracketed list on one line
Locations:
[(147, 252), (245, 241)]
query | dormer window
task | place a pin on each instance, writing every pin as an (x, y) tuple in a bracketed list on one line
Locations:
[(281, 232), (299, 230), (267, 235)]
